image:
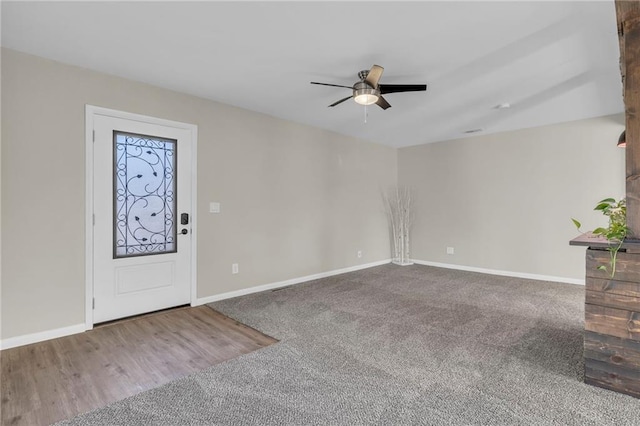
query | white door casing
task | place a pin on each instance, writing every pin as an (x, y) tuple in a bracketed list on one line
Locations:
[(122, 286)]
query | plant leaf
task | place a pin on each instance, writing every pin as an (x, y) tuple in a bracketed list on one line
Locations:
[(607, 200), (576, 223), (602, 268), (602, 206), (599, 231)]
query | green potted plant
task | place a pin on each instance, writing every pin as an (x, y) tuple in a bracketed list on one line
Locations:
[(617, 230)]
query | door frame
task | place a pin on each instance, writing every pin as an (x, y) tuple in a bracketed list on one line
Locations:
[(91, 112)]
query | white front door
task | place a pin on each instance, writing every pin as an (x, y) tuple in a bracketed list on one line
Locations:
[(143, 223)]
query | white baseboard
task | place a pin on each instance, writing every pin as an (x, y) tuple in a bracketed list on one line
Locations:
[(279, 284), (27, 339), (578, 281)]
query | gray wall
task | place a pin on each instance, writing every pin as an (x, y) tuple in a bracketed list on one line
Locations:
[(504, 201), (295, 200)]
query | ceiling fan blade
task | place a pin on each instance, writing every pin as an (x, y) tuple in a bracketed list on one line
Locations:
[(332, 85), (374, 75), (382, 103), (341, 101), (394, 88)]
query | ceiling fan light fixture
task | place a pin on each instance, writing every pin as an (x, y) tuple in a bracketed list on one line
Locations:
[(366, 96), (366, 99)]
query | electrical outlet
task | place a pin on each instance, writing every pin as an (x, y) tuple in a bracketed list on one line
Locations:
[(234, 268), (359, 253), (450, 250)]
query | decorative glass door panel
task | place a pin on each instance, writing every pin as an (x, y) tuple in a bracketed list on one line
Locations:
[(145, 196)]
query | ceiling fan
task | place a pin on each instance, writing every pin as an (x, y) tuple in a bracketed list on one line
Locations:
[(367, 91)]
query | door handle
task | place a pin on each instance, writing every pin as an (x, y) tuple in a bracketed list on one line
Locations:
[(184, 231), (184, 219)]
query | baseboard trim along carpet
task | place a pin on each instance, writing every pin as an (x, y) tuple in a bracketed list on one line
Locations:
[(41, 336), (286, 283), (578, 281), (27, 339)]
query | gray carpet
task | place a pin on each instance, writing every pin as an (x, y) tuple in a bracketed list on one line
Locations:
[(395, 345)]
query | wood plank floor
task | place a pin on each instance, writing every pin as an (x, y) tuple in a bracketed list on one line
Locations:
[(49, 381)]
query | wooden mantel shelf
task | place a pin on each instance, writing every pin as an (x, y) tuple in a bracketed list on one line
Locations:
[(599, 242)]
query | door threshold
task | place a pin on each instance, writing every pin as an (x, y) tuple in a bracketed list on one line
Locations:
[(135, 317)]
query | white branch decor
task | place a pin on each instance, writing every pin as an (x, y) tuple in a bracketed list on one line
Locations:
[(397, 203)]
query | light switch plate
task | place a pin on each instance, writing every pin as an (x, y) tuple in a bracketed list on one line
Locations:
[(214, 207)]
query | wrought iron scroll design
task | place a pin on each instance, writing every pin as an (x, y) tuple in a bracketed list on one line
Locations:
[(144, 195)]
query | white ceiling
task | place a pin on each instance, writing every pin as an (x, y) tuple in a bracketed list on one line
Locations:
[(552, 61)]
